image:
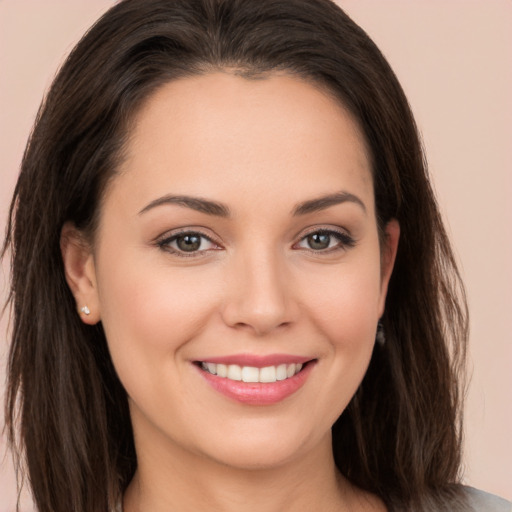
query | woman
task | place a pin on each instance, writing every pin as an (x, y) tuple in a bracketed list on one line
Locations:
[(224, 246)]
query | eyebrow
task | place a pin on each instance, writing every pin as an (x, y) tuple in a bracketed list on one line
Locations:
[(195, 203), (323, 202), (221, 210)]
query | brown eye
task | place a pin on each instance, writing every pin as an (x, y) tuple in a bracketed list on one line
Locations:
[(319, 241), (327, 241), (189, 242)]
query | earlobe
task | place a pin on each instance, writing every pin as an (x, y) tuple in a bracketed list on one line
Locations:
[(80, 273), (388, 257)]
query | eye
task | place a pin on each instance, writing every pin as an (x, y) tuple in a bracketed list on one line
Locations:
[(187, 243), (325, 240)]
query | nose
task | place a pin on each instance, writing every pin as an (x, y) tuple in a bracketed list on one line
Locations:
[(260, 295)]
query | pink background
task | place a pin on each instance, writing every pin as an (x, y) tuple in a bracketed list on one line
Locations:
[(454, 60)]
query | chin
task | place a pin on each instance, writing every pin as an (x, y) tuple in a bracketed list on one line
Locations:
[(255, 459), (266, 449)]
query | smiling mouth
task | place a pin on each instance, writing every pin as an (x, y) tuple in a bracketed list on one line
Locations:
[(253, 380), (266, 375)]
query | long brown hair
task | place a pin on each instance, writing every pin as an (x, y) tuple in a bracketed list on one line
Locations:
[(67, 412)]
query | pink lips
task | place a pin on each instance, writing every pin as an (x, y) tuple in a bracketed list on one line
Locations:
[(258, 393), (258, 361)]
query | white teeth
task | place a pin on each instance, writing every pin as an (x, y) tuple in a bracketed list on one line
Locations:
[(268, 374), (222, 370), (281, 373), (234, 372), (251, 373)]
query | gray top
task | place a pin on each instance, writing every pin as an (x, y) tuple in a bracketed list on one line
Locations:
[(481, 501), (484, 502)]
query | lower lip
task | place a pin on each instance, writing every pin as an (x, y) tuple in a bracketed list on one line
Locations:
[(258, 393)]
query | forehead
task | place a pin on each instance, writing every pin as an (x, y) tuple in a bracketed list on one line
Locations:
[(220, 133)]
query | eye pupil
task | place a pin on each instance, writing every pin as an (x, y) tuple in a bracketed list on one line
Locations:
[(189, 243), (319, 241)]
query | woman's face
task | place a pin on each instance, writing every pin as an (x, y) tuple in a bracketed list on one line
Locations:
[(239, 241)]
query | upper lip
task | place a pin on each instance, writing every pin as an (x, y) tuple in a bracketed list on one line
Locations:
[(257, 361)]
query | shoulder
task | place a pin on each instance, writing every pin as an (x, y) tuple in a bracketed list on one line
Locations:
[(484, 502)]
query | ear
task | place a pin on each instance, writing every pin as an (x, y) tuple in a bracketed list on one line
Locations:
[(388, 256), (80, 272)]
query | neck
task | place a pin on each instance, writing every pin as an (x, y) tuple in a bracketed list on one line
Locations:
[(180, 481)]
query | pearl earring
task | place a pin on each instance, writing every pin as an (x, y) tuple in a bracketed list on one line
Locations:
[(85, 310)]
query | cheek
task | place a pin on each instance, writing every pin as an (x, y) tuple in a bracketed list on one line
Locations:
[(341, 303), (348, 322), (344, 303), (149, 311)]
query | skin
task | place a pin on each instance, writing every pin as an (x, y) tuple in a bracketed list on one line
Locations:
[(259, 147)]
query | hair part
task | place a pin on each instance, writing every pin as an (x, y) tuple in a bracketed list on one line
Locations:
[(400, 436)]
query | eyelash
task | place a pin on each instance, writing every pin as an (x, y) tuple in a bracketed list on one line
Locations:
[(165, 242), (345, 242)]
